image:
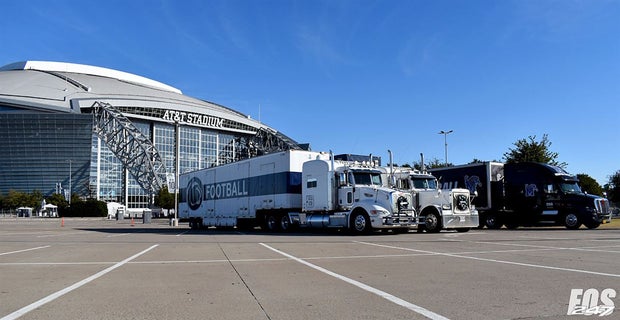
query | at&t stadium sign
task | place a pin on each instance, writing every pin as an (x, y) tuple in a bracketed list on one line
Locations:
[(193, 119)]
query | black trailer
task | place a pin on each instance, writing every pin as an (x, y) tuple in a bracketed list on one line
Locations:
[(525, 194)]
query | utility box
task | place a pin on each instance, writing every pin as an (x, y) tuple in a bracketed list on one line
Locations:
[(120, 213), (146, 216)]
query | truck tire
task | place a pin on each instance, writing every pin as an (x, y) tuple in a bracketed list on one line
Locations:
[(571, 221), (360, 223), (492, 221), (592, 224), (271, 222), (285, 223), (432, 222)]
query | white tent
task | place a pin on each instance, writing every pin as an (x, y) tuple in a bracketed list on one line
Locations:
[(24, 212), (113, 209), (50, 210)]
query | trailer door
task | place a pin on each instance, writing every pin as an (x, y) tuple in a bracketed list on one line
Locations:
[(243, 200), (209, 206), (267, 185)]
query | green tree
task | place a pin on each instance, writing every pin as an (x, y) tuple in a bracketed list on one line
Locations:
[(530, 150), (15, 199), (164, 199), (59, 200), (431, 164), (589, 185), (613, 187)]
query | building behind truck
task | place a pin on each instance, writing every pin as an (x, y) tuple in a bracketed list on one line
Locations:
[(526, 194), (294, 188)]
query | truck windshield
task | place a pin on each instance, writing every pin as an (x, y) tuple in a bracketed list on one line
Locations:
[(570, 187), (367, 177), (424, 183)]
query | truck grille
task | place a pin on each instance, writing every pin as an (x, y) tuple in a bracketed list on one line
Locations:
[(602, 206), (402, 203), (460, 202)]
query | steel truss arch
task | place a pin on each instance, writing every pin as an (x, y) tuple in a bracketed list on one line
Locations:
[(136, 151)]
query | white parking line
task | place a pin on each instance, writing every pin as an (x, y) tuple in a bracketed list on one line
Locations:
[(425, 312), (66, 290), (59, 234), (495, 260), (590, 249), (117, 235), (18, 251), (182, 233)]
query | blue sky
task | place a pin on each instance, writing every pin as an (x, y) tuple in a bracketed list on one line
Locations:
[(364, 76)]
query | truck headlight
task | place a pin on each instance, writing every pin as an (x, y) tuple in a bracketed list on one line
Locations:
[(378, 212)]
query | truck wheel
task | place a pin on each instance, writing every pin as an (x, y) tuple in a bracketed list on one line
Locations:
[(285, 223), (360, 223), (432, 223), (271, 223), (592, 224), (492, 221), (571, 221)]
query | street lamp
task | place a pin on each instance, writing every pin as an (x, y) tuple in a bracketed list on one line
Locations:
[(70, 190), (177, 168), (445, 141)]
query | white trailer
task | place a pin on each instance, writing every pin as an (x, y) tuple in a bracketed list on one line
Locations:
[(293, 188)]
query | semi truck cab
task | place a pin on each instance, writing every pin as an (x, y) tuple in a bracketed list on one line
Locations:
[(542, 192), (438, 209)]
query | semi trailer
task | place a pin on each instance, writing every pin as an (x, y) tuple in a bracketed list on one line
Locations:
[(294, 188), (526, 194)]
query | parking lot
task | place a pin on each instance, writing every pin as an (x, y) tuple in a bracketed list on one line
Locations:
[(105, 269)]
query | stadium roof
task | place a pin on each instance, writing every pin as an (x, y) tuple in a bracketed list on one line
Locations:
[(51, 66)]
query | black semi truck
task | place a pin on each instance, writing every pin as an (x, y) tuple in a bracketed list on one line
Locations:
[(525, 194)]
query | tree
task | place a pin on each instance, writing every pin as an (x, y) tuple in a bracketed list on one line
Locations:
[(431, 164), (164, 199), (589, 185), (59, 200), (613, 187), (533, 151)]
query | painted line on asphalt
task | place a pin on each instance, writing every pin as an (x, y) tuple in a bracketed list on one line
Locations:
[(589, 248), (18, 251), (117, 235), (425, 312), (68, 289), (60, 234), (380, 256), (459, 255)]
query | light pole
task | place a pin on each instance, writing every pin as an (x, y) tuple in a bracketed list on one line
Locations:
[(177, 166), (445, 141), (70, 190)]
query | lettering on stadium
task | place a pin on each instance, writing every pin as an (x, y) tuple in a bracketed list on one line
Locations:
[(193, 118), (223, 190)]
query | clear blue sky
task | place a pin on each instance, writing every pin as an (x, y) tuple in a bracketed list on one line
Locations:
[(364, 76)]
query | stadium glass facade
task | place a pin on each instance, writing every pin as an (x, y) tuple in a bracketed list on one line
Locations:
[(41, 151), (51, 143)]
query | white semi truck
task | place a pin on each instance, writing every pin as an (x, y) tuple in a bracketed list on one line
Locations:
[(437, 209), (294, 188)]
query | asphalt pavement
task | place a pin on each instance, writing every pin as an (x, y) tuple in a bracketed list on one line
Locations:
[(106, 269)]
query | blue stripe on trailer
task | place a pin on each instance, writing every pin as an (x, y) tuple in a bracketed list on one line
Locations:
[(270, 184)]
